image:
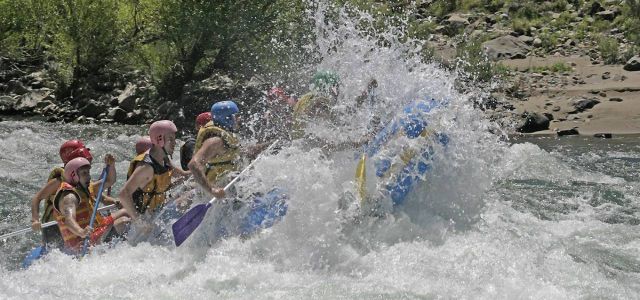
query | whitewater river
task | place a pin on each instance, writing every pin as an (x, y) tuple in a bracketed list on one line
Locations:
[(495, 218), (554, 218)]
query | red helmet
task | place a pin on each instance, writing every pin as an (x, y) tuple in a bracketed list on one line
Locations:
[(143, 144), (203, 118), (158, 129), (71, 169), (67, 148), (81, 152), (278, 94)]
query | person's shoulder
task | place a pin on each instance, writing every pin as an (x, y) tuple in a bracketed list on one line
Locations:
[(189, 141)]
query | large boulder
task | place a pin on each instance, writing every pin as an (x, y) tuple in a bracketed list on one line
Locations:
[(607, 15), (7, 103), (117, 114), (581, 105), (135, 117), (29, 101), (633, 64), (533, 122), (455, 24), (595, 8), (567, 132), (16, 87), (127, 100), (506, 47), (92, 109)]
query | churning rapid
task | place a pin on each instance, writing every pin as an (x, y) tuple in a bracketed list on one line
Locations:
[(493, 218)]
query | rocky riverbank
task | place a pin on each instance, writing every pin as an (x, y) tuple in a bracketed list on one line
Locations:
[(558, 76), (131, 98), (554, 74)]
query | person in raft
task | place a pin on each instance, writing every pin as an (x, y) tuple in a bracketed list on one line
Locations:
[(143, 144), (149, 179), (74, 203), (51, 235), (217, 151), (186, 151)]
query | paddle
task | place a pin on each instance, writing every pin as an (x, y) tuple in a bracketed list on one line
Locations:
[(361, 178), (188, 223), (103, 177), (45, 225)]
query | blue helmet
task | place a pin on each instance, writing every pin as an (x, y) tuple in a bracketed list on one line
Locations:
[(222, 113)]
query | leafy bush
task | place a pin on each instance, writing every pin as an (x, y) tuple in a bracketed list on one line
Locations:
[(473, 61), (609, 48), (558, 67), (555, 6), (631, 20), (549, 39)]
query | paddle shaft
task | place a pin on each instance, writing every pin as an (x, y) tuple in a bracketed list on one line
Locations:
[(45, 225), (105, 172), (242, 173)]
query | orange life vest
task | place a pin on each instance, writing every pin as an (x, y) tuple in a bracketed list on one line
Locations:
[(84, 209)]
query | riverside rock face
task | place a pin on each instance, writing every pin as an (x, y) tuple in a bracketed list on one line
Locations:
[(506, 47), (533, 122), (633, 64), (29, 101)]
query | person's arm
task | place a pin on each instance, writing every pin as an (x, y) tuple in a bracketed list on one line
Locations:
[(49, 188), (253, 151), (178, 176), (68, 205), (138, 180), (106, 199), (177, 172), (110, 161), (210, 148)]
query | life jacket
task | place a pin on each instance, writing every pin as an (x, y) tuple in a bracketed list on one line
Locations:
[(47, 216), (303, 112), (84, 209), (220, 165), (153, 196)]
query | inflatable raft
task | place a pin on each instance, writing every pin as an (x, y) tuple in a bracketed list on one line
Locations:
[(401, 153), (251, 216)]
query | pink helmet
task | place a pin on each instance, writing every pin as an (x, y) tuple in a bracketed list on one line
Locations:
[(71, 169), (159, 129), (143, 144)]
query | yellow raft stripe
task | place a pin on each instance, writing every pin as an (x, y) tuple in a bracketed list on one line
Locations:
[(361, 178)]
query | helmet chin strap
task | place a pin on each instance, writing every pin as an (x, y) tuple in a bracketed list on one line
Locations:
[(84, 189), (166, 155)]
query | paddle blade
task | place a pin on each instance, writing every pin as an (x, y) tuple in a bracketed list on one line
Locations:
[(185, 226), (34, 255)]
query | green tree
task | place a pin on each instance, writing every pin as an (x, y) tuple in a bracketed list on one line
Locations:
[(206, 35)]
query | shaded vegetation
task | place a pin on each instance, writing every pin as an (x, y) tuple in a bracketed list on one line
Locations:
[(84, 42)]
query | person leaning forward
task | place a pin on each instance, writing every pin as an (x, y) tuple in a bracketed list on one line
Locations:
[(150, 177)]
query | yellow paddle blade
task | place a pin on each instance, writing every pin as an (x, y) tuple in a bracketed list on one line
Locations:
[(361, 178)]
